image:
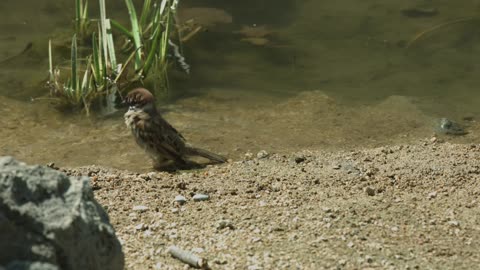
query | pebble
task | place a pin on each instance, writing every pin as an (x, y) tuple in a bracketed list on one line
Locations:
[(225, 223), (369, 259), (220, 261), (133, 216), (276, 187), (262, 154), (299, 159), (248, 156), (200, 197), (370, 191), (158, 266), (140, 208), (140, 227), (432, 195), (198, 250), (180, 199), (454, 223)]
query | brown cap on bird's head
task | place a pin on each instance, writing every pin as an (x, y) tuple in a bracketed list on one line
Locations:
[(139, 96)]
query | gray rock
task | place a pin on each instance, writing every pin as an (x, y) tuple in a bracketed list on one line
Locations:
[(51, 221), (180, 199), (447, 126), (25, 265)]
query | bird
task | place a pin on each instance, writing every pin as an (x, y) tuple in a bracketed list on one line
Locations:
[(160, 140)]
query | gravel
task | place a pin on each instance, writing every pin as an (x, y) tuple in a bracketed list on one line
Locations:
[(394, 207)]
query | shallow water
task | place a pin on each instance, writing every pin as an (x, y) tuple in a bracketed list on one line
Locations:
[(331, 75)]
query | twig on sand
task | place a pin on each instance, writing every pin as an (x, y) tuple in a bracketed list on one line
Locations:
[(188, 257)]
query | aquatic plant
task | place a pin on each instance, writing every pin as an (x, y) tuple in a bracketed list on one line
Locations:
[(434, 28), (82, 23), (100, 76)]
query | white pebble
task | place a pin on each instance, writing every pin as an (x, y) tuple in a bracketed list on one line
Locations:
[(140, 208), (200, 197)]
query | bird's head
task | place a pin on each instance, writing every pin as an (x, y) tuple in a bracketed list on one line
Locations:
[(140, 99)]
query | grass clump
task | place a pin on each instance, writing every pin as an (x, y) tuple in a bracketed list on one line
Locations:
[(108, 69)]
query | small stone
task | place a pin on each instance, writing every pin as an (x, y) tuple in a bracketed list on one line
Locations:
[(262, 154), (248, 156), (394, 229), (222, 224), (336, 167), (175, 210), (370, 191), (256, 239), (369, 259), (140, 208), (350, 244), (454, 223), (133, 216), (140, 227), (299, 159), (180, 199), (198, 250), (200, 197), (432, 195), (220, 261), (276, 187), (158, 266)]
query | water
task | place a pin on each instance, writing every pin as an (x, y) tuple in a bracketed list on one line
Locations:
[(331, 75)]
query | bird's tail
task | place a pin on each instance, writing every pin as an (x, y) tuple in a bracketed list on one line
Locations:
[(193, 151)]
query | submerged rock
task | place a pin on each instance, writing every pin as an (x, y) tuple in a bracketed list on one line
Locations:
[(51, 221), (449, 127)]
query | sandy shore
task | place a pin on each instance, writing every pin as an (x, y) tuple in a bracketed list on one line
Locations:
[(397, 207)]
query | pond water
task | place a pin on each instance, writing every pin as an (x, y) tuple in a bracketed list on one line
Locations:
[(280, 76)]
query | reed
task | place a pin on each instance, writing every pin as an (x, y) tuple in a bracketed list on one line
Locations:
[(106, 71)]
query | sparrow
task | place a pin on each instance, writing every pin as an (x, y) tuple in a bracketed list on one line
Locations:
[(165, 145)]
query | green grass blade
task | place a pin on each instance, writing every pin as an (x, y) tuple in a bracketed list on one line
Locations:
[(162, 6), (50, 62), (101, 58), (121, 29), (85, 11), (111, 46), (97, 58), (78, 14), (165, 37), (103, 33), (146, 10), (74, 59), (124, 67), (85, 88), (136, 33), (157, 36)]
